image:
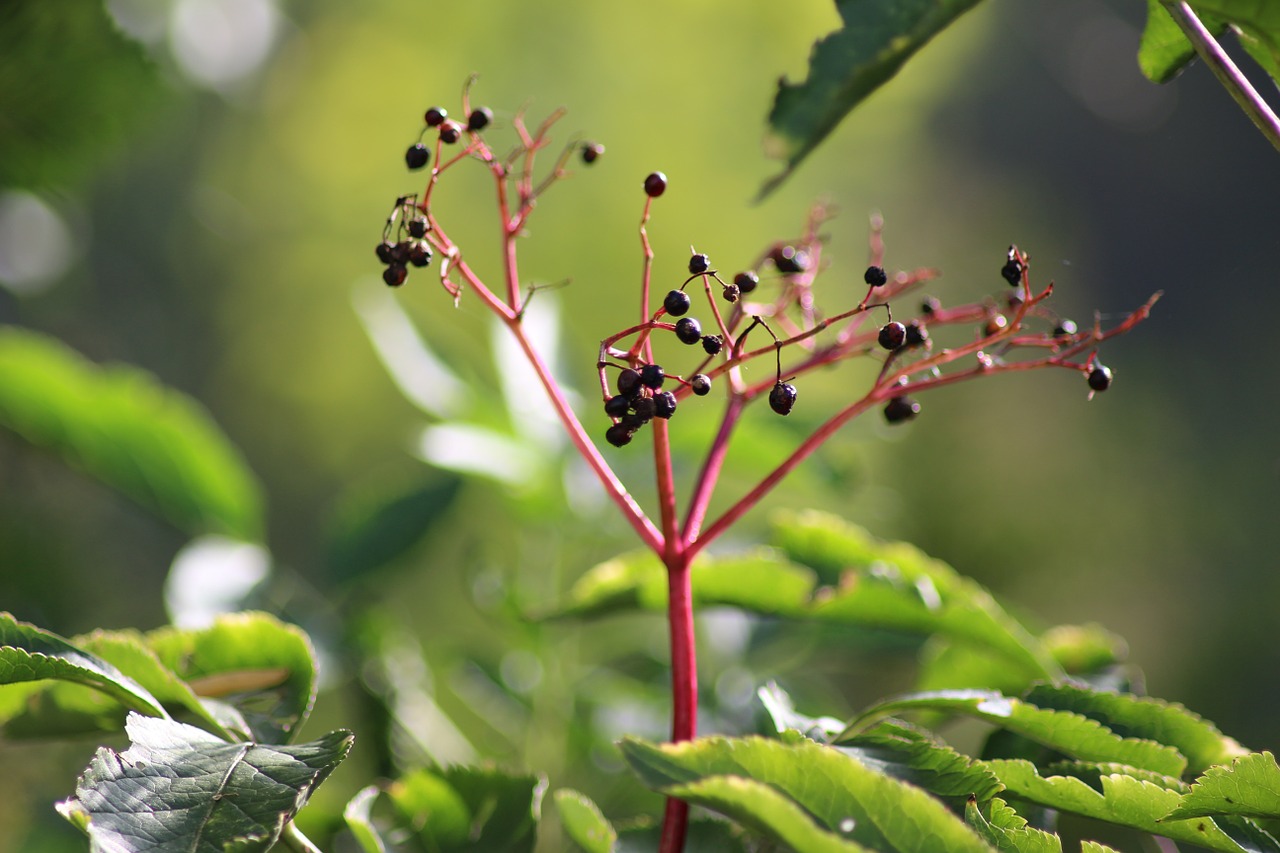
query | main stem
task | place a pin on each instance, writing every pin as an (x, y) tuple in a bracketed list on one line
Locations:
[(684, 685)]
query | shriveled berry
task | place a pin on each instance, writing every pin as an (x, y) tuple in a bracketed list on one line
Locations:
[(1065, 329), (730, 293), (417, 156), (996, 323), (395, 274), (480, 118), (616, 407), (916, 334), (688, 330), (875, 276), (450, 132), (618, 435), (930, 305), (746, 281), (436, 116), (644, 408), (900, 409), (652, 376), (1100, 378), (386, 251), (664, 405), (655, 185), (591, 152), (400, 252), (1012, 270), (420, 254), (418, 227), (701, 384), (712, 344), (782, 398), (699, 263), (676, 303), (892, 335), (628, 382)]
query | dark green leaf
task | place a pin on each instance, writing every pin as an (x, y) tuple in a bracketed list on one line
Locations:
[(878, 37), (118, 424), (1248, 786), (180, 788), (1006, 830), (584, 823)]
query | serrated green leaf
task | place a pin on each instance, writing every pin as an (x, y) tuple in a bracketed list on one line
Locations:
[(358, 816), (584, 823), (470, 808), (1143, 717), (265, 668), (178, 787), (1006, 830), (1065, 731), (914, 756), (30, 654), (118, 424), (839, 794), (848, 65), (1248, 786), (1095, 847)]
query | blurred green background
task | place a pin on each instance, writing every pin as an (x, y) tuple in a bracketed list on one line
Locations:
[(196, 187)]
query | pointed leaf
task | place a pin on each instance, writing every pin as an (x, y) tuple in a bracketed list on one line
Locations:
[(1006, 830), (912, 755), (584, 823), (1249, 786), (180, 788), (1064, 731), (358, 816), (119, 425), (847, 66)]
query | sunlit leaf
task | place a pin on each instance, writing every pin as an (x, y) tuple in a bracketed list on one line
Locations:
[(1249, 786), (1006, 830), (782, 712), (584, 823), (470, 808), (358, 815), (913, 755)]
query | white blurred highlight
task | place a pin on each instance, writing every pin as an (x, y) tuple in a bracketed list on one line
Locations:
[(210, 576)]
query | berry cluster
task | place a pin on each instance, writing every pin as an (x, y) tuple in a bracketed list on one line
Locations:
[(403, 241)]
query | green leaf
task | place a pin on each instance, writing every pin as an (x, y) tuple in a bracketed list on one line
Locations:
[(180, 788), (835, 793), (1095, 847), (782, 712), (915, 756), (358, 816), (426, 801), (1006, 830), (119, 425), (470, 808), (1258, 24), (584, 823), (878, 37), (29, 654), (265, 668), (1164, 50), (1249, 786), (1065, 731)]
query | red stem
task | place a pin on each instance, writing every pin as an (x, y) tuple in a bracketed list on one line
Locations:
[(684, 685)]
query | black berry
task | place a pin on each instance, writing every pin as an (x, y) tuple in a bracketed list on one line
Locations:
[(450, 132), (394, 275), (479, 118), (664, 405), (386, 251), (591, 152), (892, 335), (420, 254), (633, 422), (1065, 329), (901, 409), (400, 252), (789, 259), (782, 398), (1100, 378), (1012, 271), (746, 281), (436, 116), (699, 264), (688, 330), (712, 344), (916, 334), (655, 185), (875, 276), (930, 305), (676, 303), (616, 407), (417, 156), (652, 376), (618, 435), (644, 408), (628, 382), (701, 384), (418, 227)]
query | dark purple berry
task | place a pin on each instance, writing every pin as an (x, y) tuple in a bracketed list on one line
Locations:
[(418, 227), (400, 252), (436, 116), (900, 409), (698, 264), (386, 251), (1012, 270), (591, 152), (628, 382), (688, 330), (633, 421), (746, 281), (789, 259), (616, 407), (676, 303), (782, 398), (712, 344), (996, 324), (701, 384), (394, 275), (892, 335), (479, 118), (655, 185), (450, 132), (1100, 378), (420, 254), (875, 276), (644, 408), (664, 405), (916, 334), (652, 376), (417, 156), (618, 435), (1065, 329), (930, 305)]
